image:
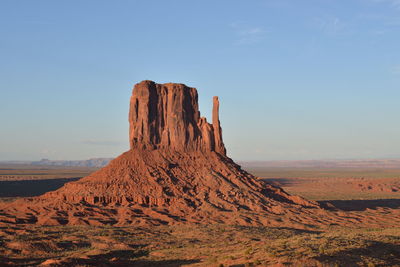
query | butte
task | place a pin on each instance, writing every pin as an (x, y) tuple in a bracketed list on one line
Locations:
[(176, 171)]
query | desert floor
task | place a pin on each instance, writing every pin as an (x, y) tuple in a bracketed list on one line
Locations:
[(346, 189)]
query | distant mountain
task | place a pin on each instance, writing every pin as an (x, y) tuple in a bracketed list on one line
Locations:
[(95, 162)]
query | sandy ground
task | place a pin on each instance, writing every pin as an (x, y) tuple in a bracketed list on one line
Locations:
[(334, 184), (369, 194)]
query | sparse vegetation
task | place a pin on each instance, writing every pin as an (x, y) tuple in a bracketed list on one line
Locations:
[(175, 244), (203, 245)]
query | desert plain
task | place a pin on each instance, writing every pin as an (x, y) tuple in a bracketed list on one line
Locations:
[(354, 191)]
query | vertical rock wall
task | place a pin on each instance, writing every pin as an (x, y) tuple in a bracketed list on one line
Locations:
[(167, 116)]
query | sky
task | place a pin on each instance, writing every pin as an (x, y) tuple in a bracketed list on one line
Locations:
[(312, 79)]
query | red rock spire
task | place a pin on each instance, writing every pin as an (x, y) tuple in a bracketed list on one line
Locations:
[(219, 144)]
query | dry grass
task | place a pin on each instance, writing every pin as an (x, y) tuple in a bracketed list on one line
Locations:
[(212, 245)]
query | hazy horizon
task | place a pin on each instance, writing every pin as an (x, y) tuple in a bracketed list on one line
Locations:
[(296, 81)]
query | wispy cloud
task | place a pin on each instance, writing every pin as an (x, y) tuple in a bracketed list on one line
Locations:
[(101, 142), (331, 25), (247, 34), (46, 152), (383, 23), (396, 70), (379, 32), (393, 3)]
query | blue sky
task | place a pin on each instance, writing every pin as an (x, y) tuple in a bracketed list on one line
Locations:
[(314, 79)]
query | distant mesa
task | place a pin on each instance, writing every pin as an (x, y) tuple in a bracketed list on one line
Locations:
[(95, 162), (176, 171), (91, 163)]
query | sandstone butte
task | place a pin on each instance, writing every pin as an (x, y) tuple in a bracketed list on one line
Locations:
[(176, 171)]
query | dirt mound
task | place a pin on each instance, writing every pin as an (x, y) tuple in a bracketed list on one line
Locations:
[(376, 185), (176, 171)]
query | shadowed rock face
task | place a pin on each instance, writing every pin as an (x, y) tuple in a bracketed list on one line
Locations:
[(167, 116), (176, 171)]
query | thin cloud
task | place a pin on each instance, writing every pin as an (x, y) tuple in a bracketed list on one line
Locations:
[(252, 31), (46, 152), (379, 32), (247, 35), (332, 25), (393, 3), (396, 70), (101, 143), (385, 22)]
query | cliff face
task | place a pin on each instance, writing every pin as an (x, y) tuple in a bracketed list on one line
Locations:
[(167, 116)]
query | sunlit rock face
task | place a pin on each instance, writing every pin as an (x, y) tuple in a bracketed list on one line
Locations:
[(167, 116)]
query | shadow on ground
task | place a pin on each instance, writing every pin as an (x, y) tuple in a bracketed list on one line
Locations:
[(112, 258), (30, 188), (361, 205), (372, 254), (281, 181)]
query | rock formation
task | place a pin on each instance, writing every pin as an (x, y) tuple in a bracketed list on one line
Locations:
[(165, 116), (219, 144), (176, 171)]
